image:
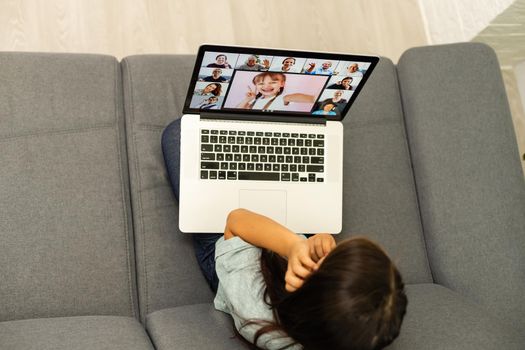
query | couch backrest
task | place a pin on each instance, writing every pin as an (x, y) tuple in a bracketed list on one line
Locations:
[(167, 272), (379, 198), (65, 220)]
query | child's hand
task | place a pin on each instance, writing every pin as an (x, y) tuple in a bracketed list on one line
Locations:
[(320, 245), (250, 94), (300, 265), (266, 63)]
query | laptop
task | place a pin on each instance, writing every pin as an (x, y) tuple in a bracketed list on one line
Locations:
[(262, 130)]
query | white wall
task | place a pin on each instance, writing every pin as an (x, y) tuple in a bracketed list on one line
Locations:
[(448, 21)]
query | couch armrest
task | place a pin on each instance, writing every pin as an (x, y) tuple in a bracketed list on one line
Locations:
[(468, 177)]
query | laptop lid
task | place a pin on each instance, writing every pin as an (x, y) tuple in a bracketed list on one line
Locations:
[(271, 84)]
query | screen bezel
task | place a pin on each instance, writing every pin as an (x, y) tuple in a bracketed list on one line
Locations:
[(373, 60)]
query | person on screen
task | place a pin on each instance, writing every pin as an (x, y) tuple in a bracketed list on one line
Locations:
[(268, 93), (216, 76), (337, 100), (252, 63), (354, 71), (343, 84), (326, 109), (288, 63), (221, 61), (210, 89), (325, 68), (209, 103)]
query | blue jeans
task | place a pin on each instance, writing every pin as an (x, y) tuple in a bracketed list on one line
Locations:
[(203, 243)]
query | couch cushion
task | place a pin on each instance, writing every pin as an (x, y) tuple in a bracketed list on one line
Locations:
[(379, 197), (439, 319), (468, 176), (190, 327), (379, 194), (436, 319), (72, 333), (66, 226), (167, 271)]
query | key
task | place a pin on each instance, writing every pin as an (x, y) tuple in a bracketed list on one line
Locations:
[(207, 156), (206, 148), (209, 165), (314, 168), (258, 176)]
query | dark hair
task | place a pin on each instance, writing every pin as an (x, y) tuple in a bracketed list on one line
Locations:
[(287, 58), (355, 300), (217, 90), (219, 55)]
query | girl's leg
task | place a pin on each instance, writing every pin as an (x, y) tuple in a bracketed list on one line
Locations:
[(203, 243)]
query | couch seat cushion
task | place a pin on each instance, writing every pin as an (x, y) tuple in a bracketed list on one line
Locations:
[(190, 327), (71, 333), (437, 318), (440, 319)]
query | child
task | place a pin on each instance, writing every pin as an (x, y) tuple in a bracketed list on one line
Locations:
[(293, 292), (268, 93)]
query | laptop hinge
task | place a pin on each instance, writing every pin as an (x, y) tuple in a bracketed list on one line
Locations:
[(263, 118)]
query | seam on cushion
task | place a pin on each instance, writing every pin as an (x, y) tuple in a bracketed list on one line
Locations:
[(122, 190), (58, 132), (416, 192), (140, 215), (151, 127)]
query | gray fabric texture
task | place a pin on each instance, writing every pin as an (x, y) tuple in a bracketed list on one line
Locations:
[(379, 198), (436, 319), (75, 333), (469, 181), (65, 231), (439, 319), (167, 271), (192, 327)]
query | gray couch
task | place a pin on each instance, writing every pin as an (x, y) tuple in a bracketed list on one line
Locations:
[(90, 252)]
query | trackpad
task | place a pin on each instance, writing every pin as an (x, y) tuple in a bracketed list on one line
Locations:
[(265, 202)]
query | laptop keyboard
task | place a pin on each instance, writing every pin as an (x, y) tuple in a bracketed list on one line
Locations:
[(261, 156)]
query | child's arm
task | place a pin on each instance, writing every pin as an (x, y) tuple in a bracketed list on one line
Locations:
[(297, 97), (250, 95), (263, 232)]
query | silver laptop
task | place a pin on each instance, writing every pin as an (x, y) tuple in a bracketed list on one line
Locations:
[(262, 130)]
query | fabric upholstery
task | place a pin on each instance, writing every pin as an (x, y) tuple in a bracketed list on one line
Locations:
[(65, 228), (439, 319), (379, 200), (75, 333), (379, 195), (436, 319), (167, 271), (468, 177), (192, 327)]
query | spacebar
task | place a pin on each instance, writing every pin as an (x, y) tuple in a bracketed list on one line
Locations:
[(243, 175)]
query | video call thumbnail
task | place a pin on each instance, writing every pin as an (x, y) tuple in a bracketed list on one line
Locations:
[(274, 91), (275, 83)]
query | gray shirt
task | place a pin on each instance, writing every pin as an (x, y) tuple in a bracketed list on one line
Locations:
[(241, 291)]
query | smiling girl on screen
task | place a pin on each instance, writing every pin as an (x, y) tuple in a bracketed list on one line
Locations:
[(268, 93)]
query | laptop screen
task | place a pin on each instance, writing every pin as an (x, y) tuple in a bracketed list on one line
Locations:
[(242, 80)]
